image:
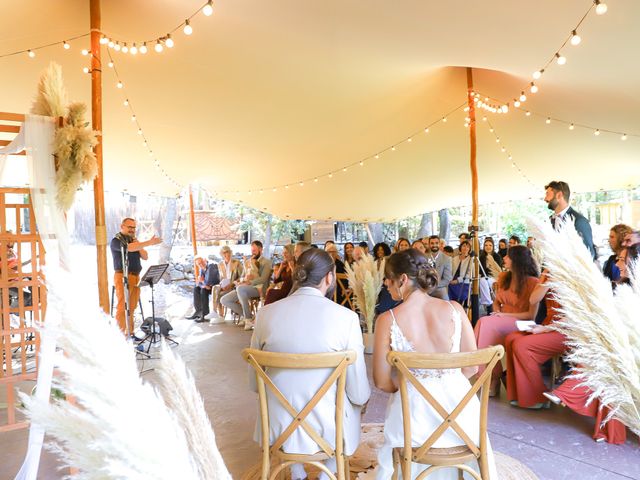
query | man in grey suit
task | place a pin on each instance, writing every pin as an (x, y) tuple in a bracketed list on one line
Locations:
[(442, 264)]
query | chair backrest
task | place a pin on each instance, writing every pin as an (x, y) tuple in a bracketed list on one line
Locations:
[(404, 362), (343, 291), (338, 361)]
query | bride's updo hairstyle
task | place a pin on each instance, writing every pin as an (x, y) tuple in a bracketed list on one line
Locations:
[(413, 264), (311, 267)]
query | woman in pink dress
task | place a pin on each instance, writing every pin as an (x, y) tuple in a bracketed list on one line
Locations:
[(514, 287)]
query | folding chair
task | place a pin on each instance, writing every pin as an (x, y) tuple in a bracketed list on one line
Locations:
[(342, 287), (339, 362), (426, 454)]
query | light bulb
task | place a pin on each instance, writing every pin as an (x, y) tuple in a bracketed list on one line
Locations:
[(548, 120), (315, 180), (84, 52), (301, 184), (537, 74), (534, 88), (377, 156), (85, 69), (444, 119), (571, 127), (516, 103), (601, 8), (466, 109), (491, 129), (409, 139), (139, 131), (505, 108), (330, 175), (119, 85), (623, 137), (133, 118), (31, 53), (133, 50), (169, 41), (498, 140), (158, 47), (484, 119), (117, 47), (503, 149), (344, 169), (111, 44), (286, 187), (110, 64), (523, 97), (125, 49), (560, 60), (188, 30), (528, 113), (104, 40), (65, 45), (393, 149), (575, 38), (208, 8), (597, 132), (126, 102), (143, 48)]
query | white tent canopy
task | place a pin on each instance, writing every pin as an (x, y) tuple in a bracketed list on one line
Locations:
[(268, 94)]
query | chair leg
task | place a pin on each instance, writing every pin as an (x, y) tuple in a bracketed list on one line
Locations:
[(483, 463), (347, 467), (460, 475), (396, 465)]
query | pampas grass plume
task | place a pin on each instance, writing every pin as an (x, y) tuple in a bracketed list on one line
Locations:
[(51, 98), (365, 279)]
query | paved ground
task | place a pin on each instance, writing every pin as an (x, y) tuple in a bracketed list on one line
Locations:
[(556, 444)]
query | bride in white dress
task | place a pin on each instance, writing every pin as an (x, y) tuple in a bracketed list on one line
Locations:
[(423, 324)]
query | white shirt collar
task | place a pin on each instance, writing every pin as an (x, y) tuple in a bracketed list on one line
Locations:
[(563, 212), (308, 291)]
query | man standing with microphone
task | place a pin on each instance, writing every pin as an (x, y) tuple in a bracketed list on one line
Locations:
[(127, 254)]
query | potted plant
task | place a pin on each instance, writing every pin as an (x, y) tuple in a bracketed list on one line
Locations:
[(365, 279)]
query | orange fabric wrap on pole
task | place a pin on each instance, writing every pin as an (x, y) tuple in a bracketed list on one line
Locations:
[(474, 175)]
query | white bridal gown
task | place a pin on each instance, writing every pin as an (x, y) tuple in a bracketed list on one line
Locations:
[(448, 387)]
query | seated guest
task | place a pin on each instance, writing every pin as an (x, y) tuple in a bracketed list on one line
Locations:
[(308, 322), (402, 244), (282, 276), (230, 271), (348, 253), (251, 287), (327, 243), (365, 247), (514, 288), (442, 265), (300, 248), (462, 273), (616, 237), (448, 251), (380, 252), (514, 240), (359, 252), (489, 251), (502, 247), (424, 325), (527, 351), (443, 243), (418, 245), (332, 250), (206, 278)]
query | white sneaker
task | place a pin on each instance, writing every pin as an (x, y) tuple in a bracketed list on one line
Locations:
[(555, 399), (241, 322), (248, 325), (211, 316), (216, 321)]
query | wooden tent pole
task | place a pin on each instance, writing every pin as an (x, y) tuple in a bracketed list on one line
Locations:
[(474, 195), (98, 187), (192, 216)]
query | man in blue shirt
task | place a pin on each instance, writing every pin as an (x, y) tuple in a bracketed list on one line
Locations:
[(126, 245), (207, 276)]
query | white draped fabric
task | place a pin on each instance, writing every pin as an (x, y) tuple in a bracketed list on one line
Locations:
[(36, 138)]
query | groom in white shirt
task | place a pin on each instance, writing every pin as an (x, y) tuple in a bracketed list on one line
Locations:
[(307, 321)]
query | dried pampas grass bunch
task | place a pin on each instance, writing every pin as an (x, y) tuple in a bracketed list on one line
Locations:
[(74, 141), (121, 427), (365, 279), (602, 329)]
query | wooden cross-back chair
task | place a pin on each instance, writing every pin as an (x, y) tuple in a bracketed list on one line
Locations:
[(426, 454), (339, 362), (344, 292)]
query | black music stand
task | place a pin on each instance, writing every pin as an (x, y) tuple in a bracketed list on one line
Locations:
[(151, 277)]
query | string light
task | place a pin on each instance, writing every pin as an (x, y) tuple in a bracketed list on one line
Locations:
[(575, 38), (169, 41), (104, 40), (537, 74), (119, 84), (31, 54), (85, 69), (597, 132), (65, 45), (208, 8), (523, 97), (548, 120), (110, 64), (188, 30), (84, 52), (571, 127), (143, 48), (534, 88), (601, 8), (560, 60), (117, 47), (158, 47), (623, 137)]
